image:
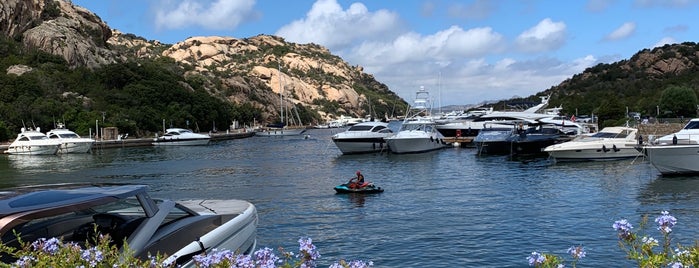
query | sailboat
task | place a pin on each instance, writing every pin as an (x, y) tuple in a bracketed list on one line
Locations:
[(281, 129)]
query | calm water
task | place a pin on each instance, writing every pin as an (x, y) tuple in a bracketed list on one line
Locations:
[(449, 208)]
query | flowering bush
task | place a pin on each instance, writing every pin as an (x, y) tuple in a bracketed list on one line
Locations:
[(644, 250), (54, 252)]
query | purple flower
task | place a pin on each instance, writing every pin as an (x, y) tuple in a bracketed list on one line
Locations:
[(536, 258), (244, 261), (675, 265), (665, 222), (93, 256), (308, 252), (265, 258), (623, 228), (50, 246), (577, 252), (25, 261)]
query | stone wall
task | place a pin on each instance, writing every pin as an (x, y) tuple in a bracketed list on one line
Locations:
[(659, 129)]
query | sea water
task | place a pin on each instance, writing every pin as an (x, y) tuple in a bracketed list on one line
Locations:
[(449, 208)]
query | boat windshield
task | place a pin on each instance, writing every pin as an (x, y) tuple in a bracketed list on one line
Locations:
[(610, 135), (360, 128), (38, 137), (417, 127), (65, 136), (692, 125)]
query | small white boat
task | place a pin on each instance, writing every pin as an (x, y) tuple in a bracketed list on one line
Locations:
[(70, 141), (33, 142), (608, 144), (365, 137), (283, 131), (181, 136), (78, 212), (676, 154)]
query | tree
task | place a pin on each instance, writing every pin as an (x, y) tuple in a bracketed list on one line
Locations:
[(679, 101)]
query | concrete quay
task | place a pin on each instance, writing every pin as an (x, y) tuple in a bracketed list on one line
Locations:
[(141, 142)]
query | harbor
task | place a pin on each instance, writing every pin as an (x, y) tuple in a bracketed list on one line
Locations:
[(456, 208)]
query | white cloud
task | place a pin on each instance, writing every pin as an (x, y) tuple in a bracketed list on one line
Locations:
[(448, 45), (545, 36), (665, 41), (479, 9), (327, 24), (624, 31), (220, 14)]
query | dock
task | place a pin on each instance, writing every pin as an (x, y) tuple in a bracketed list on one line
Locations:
[(143, 142)]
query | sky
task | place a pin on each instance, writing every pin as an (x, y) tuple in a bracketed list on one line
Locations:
[(462, 52)]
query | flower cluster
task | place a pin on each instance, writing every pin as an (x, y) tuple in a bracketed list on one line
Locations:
[(53, 252), (643, 250), (665, 222)]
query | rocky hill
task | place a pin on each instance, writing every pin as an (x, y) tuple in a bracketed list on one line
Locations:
[(253, 70)]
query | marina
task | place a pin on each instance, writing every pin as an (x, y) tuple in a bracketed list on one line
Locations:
[(454, 208)]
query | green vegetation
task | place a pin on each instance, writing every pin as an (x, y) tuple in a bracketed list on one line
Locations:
[(135, 96), (655, 83)]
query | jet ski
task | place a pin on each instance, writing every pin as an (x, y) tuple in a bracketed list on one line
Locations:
[(351, 187)]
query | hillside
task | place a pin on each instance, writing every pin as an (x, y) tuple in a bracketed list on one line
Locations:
[(62, 62), (636, 84)]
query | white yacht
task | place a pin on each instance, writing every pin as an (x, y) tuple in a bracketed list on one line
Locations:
[(70, 141), (33, 142), (181, 136), (364, 137), (608, 144), (676, 154), (417, 133)]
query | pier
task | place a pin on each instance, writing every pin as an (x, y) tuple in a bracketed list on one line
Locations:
[(142, 142)]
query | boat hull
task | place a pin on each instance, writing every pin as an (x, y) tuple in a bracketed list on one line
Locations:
[(608, 152), (674, 159), (181, 142), (35, 149), (360, 145), (70, 147), (281, 132), (371, 189), (409, 145)]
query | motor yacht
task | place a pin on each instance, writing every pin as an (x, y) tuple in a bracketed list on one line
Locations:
[(70, 141), (676, 154), (518, 139), (33, 142), (78, 213), (417, 133), (181, 136), (365, 137), (608, 144)]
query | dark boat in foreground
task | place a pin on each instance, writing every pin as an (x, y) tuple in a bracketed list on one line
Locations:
[(368, 188)]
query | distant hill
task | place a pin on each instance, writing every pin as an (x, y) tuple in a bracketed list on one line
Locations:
[(62, 62), (636, 84)]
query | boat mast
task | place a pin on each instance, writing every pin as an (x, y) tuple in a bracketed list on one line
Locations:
[(281, 98)]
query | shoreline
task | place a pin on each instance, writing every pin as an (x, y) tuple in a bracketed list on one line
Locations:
[(142, 142)]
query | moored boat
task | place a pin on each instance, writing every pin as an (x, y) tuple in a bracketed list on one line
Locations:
[(518, 140), (70, 141), (181, 136), (33, 142), (608, 144), (417, 133), (676, 154), (365, 137)]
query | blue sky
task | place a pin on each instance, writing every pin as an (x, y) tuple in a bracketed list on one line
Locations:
[(464, 52)]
